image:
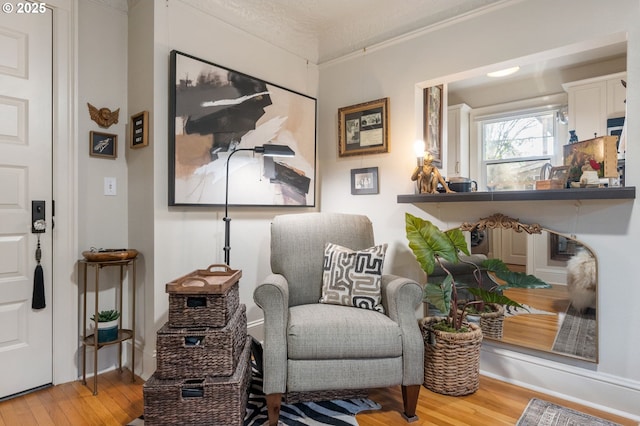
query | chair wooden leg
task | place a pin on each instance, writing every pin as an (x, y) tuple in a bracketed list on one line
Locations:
[(410, 399), (273, 408)]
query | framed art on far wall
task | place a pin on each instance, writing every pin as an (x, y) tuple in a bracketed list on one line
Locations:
[(216, 111), (103, 145), (364, 128), (364, 181), (139, 130), (433, 122)]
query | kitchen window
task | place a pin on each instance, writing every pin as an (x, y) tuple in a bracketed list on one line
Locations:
[(515, 146)]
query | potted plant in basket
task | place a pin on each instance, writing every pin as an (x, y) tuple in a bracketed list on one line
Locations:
[(452, 345), (106, 325)]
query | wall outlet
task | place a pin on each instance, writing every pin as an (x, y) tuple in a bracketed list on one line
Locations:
[(110, 186)]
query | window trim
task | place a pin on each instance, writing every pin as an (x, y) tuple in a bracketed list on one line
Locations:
[(541, 104)]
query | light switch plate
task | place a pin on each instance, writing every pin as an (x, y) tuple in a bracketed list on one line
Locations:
[(110, 186)]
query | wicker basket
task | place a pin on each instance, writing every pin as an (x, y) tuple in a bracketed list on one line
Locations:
[(451, 360), (491, 323), (199, 401), (204, 298), (196, 352)]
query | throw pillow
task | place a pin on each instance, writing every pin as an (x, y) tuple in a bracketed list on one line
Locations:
[(353, 278)]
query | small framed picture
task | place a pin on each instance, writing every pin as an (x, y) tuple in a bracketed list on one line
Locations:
[(103, 145), (364, 128), (139, 130), (364, 181)]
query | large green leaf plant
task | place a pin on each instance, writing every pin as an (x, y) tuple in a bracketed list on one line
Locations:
[(431, 247)]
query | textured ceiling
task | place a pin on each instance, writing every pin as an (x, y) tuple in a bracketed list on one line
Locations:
[(321, 30)]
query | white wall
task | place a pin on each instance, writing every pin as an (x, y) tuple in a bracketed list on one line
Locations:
[(185, 238), (102, 82), (511, 30)]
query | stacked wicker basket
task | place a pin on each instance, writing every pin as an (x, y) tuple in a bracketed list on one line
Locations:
[(203, 371)]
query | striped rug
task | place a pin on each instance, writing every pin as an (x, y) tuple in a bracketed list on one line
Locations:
[(336, 412)]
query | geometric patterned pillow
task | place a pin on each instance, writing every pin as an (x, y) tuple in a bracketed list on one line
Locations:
[(353, 278)]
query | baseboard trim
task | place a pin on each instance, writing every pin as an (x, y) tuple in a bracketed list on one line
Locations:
[(256, 329), (615, 395)]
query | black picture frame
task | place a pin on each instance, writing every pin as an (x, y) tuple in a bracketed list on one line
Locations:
[(364, 128), (215, 110), (433, 122), (364, 181), (103, 145), (139, 133)]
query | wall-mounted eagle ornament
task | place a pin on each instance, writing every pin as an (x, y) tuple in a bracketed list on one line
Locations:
[(103, 116)]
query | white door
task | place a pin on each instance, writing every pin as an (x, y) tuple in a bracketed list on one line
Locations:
[(510, 246), (26, 351)]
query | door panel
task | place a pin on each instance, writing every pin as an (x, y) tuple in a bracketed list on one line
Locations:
[(25, 174)]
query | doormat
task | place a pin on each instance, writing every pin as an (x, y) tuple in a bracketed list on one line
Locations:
[(544, 413), (577, 334)]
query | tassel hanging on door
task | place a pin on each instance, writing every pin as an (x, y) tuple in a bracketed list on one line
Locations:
[(37, 300)]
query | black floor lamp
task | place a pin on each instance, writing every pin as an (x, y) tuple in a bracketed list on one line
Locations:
[(268, 150)]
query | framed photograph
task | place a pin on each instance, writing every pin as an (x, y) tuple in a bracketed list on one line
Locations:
[(103, 145), (433, 122), (364, 181), (364, 128), (139, 133), (214, 111)]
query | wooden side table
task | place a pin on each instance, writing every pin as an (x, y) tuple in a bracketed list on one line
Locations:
[(123, 334)]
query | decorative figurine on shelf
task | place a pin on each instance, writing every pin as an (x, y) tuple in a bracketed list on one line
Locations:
[(573, 138), (589, 176), (427, 176)]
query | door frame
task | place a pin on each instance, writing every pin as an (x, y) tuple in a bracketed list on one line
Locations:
[(65, 189)]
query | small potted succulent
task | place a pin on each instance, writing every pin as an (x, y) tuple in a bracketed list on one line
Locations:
[(107, 325)]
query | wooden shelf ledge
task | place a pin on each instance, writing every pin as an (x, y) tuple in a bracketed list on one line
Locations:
[(618, 193)]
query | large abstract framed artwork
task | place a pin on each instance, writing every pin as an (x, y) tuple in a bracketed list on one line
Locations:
[(214, 111)]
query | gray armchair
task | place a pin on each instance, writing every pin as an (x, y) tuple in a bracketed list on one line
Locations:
[(311, 346)]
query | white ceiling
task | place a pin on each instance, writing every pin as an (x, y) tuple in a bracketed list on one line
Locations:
[(322, 30)]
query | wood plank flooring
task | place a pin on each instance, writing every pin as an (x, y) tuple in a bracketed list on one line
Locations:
[(119, 401)]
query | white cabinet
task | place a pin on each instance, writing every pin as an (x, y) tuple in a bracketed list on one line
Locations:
[(458, 140), (593, 101)]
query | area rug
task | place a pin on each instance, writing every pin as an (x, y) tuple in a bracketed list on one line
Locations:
[(577, 334), (511, 311), (336, 412), (544, 413)]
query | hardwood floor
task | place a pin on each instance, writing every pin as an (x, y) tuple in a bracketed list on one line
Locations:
[(119, 401)]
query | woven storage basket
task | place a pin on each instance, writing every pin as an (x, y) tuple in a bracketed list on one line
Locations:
[(451, 360), (206, 400), (491, 323), (196, 352), (204, 298)]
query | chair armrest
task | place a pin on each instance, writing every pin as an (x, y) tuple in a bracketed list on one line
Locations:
[(401, 297), (272, 296)]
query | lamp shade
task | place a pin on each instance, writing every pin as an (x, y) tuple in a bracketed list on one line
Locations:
[(272, 150)]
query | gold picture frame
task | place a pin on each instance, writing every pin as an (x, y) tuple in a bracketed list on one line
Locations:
[(433, 122), (364, 128), (139, 130)]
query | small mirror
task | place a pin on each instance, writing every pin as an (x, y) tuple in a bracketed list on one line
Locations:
[(560, 319)]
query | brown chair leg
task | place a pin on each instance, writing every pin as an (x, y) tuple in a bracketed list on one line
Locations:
[(273, 408), (410, 400)]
